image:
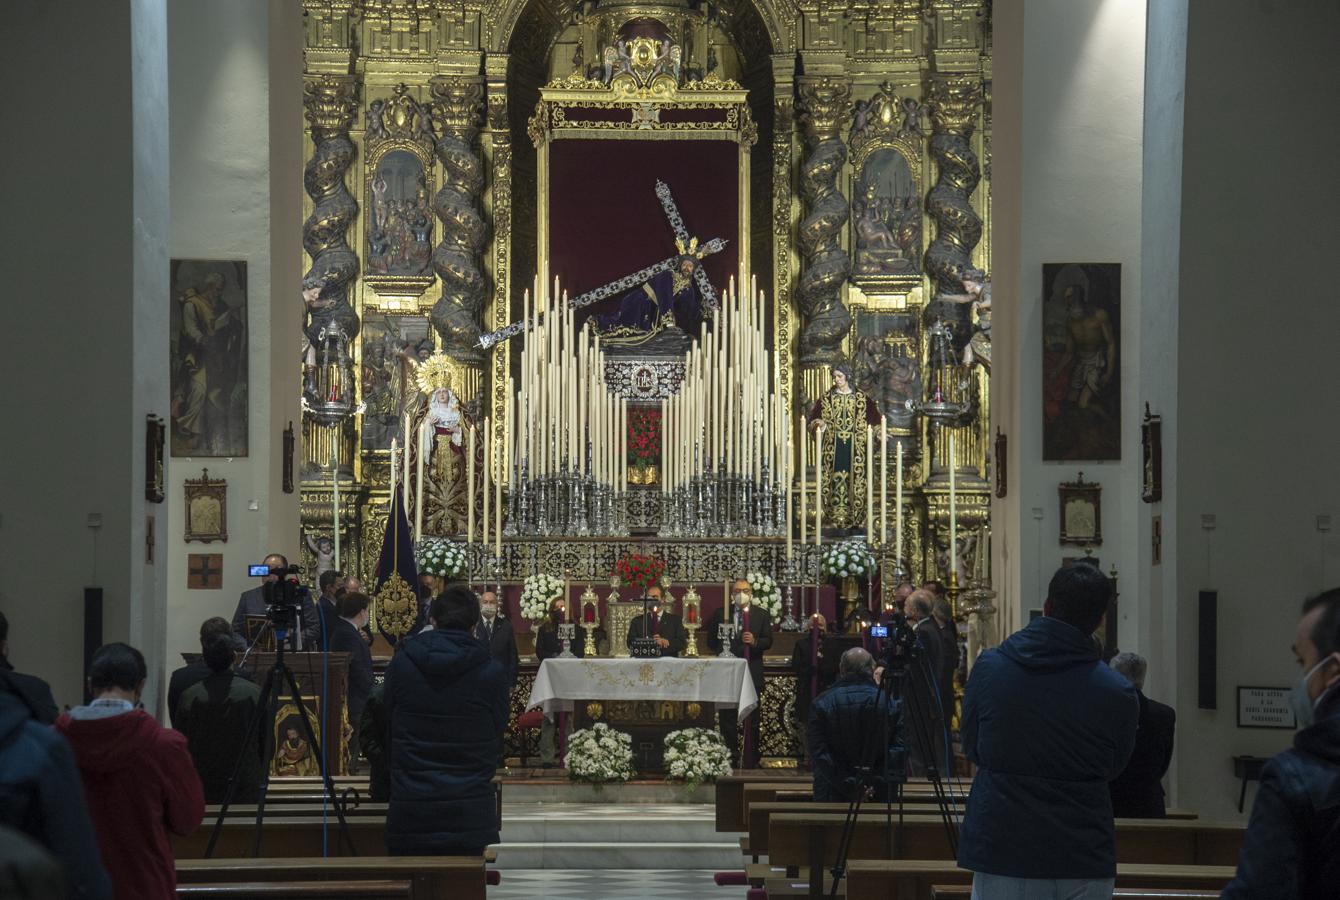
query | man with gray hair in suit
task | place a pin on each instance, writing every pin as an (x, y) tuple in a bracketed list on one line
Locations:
[(1137, 793)]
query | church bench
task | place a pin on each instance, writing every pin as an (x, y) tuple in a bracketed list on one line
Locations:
[(276, 808), (299, 890), (290, 836), (908, 879), (430, 877), (728, 795), (760, 813), (811, 839), (964, 892)]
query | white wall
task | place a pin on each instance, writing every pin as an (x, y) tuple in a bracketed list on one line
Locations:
[(223, 199), (1256, 371), (86, 345), (1067, 161)]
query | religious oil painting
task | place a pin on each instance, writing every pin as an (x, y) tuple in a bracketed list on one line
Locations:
[(206, 509), (1081, 512), (400, 217), (294, 754), (1081, 361), (208, 357), (392, 347)]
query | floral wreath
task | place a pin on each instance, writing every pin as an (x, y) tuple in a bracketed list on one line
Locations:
[(537, 592), (435, 556), (766, 593), (848, 559)]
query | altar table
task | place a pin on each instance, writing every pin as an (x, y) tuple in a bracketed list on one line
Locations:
[(562, 682)]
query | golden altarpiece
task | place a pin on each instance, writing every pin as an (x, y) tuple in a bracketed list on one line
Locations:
[(850, 142)]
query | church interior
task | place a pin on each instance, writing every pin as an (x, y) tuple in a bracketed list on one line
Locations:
[(666, 331)]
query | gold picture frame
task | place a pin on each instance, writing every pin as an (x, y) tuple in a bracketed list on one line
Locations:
[(206, 509), (1081, 512)]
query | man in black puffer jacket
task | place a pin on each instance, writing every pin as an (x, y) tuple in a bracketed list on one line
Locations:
[(844, 733), (446, 698), (1289, 852), (1048, 726)]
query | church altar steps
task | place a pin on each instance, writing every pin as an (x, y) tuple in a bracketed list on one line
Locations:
[(610, 836), (561, 791)]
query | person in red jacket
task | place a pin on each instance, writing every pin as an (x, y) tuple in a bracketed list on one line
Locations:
[(138, 777)]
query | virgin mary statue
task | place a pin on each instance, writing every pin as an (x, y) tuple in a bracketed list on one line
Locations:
[(442, 445), (840, 417)]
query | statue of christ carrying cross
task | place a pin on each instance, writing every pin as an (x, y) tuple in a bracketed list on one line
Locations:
[(667, 300)]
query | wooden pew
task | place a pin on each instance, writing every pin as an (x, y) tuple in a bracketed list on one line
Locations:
[(811, 840), (288, 836), (729, 795), (430, 877), (964, 892), (300, 890), (908, 879), (760, 813)]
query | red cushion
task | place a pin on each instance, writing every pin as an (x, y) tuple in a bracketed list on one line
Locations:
[(730, 879), (531, 718), (492, 876)]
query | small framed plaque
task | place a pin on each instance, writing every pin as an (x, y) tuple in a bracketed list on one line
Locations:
[(1265, 707)]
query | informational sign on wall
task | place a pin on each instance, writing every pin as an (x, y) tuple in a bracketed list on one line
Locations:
[(1265, 707)]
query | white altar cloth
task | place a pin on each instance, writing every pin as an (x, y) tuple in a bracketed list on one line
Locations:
[(561, 682)]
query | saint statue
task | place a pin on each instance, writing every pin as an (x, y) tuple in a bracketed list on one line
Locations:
[(841, 417), (442, 445), (977, 291), (294, 756), (667, 300)]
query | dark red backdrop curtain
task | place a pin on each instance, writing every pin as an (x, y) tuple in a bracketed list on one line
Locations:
[(605, 220)]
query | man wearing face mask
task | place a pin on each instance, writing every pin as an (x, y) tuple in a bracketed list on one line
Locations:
[(753, 637), (496, 632), (666, 627), (1289, 850)]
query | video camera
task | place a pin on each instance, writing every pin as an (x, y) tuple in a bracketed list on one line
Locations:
[(283, 596), (899, 639)]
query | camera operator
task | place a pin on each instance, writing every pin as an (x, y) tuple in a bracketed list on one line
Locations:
[(843, 734), (922, 701), (257, 601)]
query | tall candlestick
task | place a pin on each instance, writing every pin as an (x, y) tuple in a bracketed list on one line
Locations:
[(818, 488), (804, 474), (953, 513), (786, 486), (391, 495), (498, 505), (883, 481), (404, 481), (418, 481), (869, 483), (898, 506), (486, 477), (335, 492), (470, 486)]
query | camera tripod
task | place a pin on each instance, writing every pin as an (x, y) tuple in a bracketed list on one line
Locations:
[(892, 688), (276, 678)]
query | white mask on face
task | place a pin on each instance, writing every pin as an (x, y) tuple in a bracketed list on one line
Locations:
[(742, 599), (1304, 707), (489, 611)]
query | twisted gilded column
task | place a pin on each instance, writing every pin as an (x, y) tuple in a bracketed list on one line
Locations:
[(457, 107), (825, 104), (331, 103), (953, 105)]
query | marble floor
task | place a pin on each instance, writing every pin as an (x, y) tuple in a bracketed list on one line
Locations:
[(609, 884)]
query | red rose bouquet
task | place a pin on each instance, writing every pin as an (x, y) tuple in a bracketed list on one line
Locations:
[(637, 570), (644, 437)]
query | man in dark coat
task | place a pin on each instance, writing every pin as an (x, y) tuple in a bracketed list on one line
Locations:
[(198, 671), (447, 702), (374, 735), (1137, 793), (1289, 851), (753, 637), (252, 603), (662, 624), (497, 634), (347, 637), (41, 794), (926, 738), (214, 714), (35, 691), (814, 659), (844, 734), (1048, 726)]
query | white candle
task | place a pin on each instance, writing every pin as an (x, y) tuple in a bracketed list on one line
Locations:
[(818, 488), (470, 486), (335, 492), (391, 501), (487, 476), (404, 481), (883, 481), (869, 483), (804, 474), (418, 484), (898, 506), (786, 486), (953, 513)]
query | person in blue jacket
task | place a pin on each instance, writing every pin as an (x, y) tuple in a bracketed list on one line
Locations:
[(1292, 847), (844, 732), (446, 699), (1048, 725)]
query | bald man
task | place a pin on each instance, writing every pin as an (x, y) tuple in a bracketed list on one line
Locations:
[(845, 731)]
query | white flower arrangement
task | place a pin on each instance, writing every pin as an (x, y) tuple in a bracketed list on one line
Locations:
[(848, 559), (766, 593), (600, 754), (537, 593), (434, 556), (695, 756)]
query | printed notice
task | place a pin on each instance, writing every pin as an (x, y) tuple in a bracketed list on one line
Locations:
[(1265, 707)]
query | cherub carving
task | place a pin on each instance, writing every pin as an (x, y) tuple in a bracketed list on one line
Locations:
[(376, 127), (911, 124)]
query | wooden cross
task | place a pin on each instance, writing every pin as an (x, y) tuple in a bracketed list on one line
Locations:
[(204, 571)]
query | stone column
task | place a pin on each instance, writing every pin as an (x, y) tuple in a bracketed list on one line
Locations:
[(457, 107), (331, 103), (783, 135), (824, 106)]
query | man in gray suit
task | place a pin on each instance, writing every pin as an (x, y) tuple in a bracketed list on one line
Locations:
[(252, 603)]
